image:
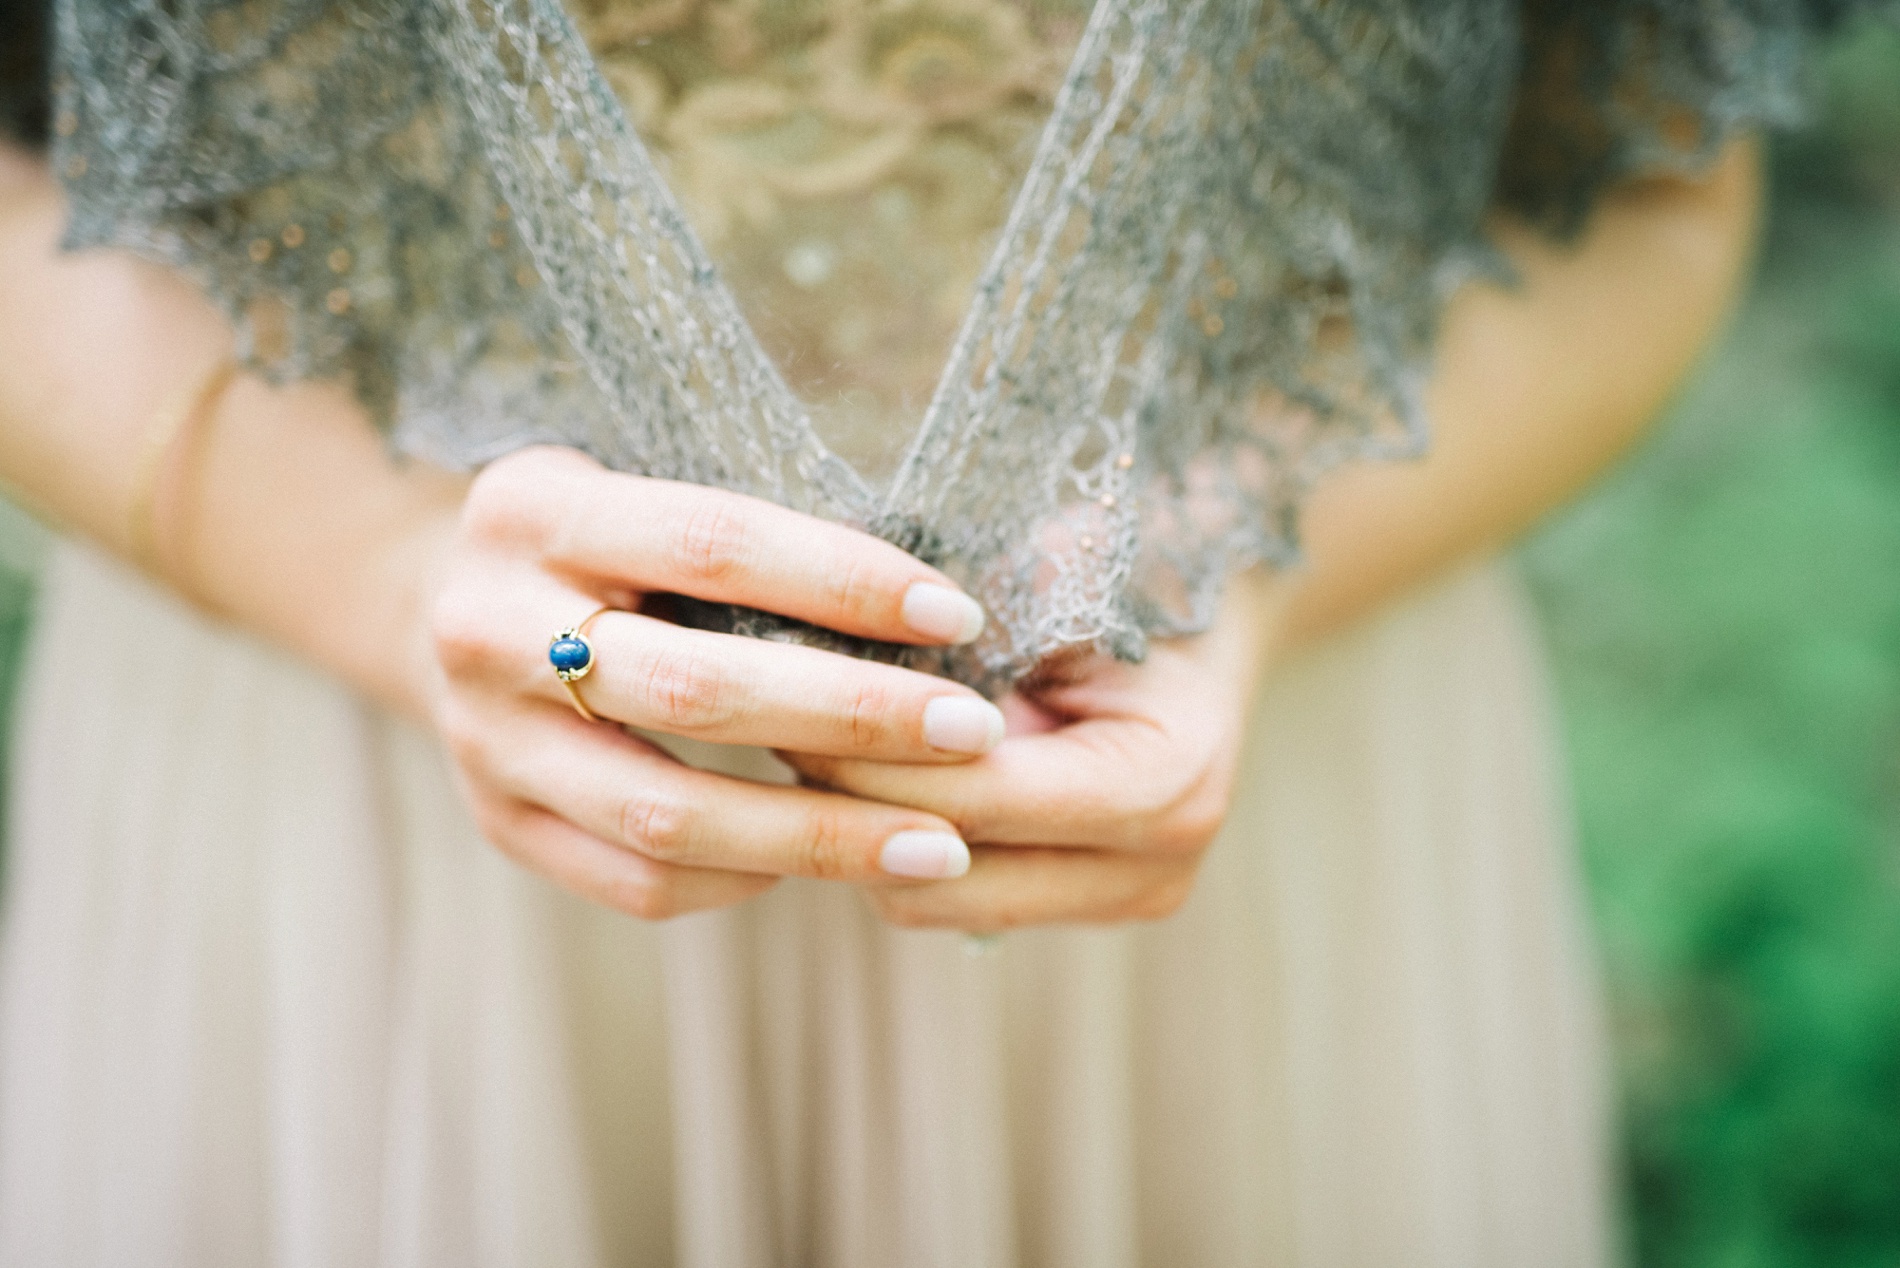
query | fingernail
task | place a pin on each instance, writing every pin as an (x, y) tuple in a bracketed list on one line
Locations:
[(942, 613), (962, 724), (930, 856)]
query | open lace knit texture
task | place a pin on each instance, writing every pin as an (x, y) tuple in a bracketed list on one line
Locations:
[(1220, 277)]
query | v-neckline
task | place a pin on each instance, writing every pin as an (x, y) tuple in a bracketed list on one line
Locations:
[(859, 499), (901, 245)]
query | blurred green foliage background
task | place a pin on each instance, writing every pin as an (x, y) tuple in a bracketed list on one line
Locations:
[(1724, 614), (21, 544), (1725, 617)]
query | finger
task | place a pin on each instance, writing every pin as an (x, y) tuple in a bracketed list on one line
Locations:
[(603, 873), (1114, 783), (662, 535), (628, 793), (727, 689), (1012, 888)]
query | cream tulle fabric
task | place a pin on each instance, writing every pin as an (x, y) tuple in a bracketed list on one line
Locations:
[(267, 1000)]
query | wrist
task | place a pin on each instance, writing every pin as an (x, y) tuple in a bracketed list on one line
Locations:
[(303, 529)]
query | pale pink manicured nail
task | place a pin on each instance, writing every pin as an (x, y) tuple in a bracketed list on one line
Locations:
[(942, 613), (929, 856), (962, 724)]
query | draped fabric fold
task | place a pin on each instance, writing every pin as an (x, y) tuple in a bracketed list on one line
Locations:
[(266, 998)]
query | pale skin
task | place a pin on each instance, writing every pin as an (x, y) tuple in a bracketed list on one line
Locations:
[(436, 596)]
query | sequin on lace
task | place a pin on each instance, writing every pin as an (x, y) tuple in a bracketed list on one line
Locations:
[(1219, 278)]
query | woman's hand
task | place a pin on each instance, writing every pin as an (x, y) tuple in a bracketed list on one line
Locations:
[(1101, 803), (547, 536)]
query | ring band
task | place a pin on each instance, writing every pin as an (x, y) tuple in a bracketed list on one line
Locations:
[(572, 656)]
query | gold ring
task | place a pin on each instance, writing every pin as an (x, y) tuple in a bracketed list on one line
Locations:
[(572, 655)]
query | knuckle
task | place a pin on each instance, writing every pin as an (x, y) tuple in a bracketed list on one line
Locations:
[(459, 632), (1162, 899), (824, 846), (1102, 816), (659, 826), (1144, 813), (869, 713), (1156, 795), (652, 900), (714, 541), (1183, 833), (561, 531), (852, 588), (682, 690), (1191, 821), (508, 501), (1198, 828), (1142, 782)]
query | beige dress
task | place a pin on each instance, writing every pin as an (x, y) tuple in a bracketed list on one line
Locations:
[(266, 998)]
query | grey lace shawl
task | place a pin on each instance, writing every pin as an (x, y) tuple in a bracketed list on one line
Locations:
[(1220, 278)]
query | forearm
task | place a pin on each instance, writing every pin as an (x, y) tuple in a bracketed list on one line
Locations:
[(297, 524), (1536, 389)]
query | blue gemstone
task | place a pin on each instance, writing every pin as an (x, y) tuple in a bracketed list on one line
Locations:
[(569, 655)]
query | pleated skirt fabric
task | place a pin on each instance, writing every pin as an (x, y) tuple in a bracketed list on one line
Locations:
[(266, 998)]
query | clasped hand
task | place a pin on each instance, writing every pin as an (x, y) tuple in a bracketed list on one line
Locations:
[(1091, 801)]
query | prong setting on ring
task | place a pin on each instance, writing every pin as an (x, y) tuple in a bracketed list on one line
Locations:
[(571, 655)]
